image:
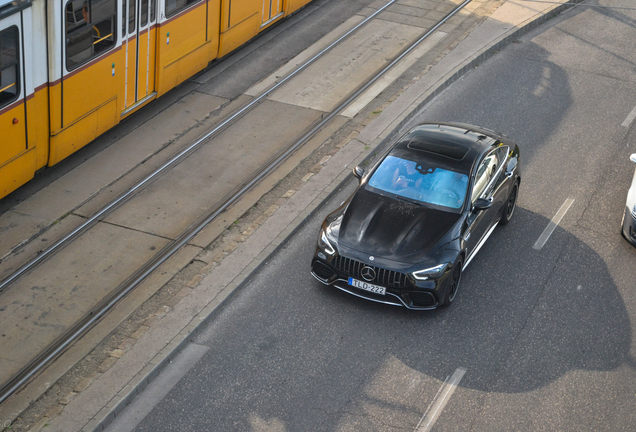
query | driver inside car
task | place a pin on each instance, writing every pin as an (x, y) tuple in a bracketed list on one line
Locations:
[(406, 176)]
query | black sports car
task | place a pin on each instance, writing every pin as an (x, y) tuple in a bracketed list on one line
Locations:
[(419, 216)]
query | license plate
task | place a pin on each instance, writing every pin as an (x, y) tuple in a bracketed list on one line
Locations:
[(376, 289)]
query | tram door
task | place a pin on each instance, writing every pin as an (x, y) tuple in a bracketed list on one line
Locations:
[(272, 9), (13, 140), (139, 41)]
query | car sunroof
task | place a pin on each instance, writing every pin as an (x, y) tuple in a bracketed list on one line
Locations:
[(437, 145)]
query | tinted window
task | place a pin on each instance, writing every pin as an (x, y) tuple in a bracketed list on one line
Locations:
[(132, 8), (502, 153), (90, 29), (9, 66), (486, 170), (421, 182), (174, 6), (143, 11)]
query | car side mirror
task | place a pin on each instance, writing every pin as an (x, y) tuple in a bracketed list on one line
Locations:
[(482, 204), (358, 172), (633, 158)]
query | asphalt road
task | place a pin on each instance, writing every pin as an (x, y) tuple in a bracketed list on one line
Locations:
[(544, 335)]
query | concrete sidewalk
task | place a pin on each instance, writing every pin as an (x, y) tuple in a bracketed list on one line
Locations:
[(108, 394)]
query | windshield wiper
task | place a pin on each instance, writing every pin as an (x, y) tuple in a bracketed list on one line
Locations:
[(409, 200)]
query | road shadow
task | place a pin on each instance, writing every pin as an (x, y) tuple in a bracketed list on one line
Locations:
[(525, 317), (542, 96), (289, 353)]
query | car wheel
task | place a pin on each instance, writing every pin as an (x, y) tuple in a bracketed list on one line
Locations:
[(453, 283), (511, 204)]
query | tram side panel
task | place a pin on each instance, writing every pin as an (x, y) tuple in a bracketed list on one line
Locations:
[(240, 21), (55, 43), (23, 135), (138, 39), (16, 162), (38, 104), (187, 40), (140, 72), (294, 5), (85, 99), (49, 111)]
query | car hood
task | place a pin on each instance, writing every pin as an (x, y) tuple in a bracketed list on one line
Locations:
[(393, 229)]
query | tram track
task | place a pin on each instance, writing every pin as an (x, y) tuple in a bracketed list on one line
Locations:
[(98, 311)]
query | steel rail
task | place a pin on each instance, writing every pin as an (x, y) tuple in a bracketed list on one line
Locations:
[(175, 159), (126, 287)]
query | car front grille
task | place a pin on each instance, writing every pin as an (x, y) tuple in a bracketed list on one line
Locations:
[(387, 278)]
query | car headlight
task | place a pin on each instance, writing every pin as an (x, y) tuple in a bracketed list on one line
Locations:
[(634, 211), (324, 244), (329, 236), (430, 273)]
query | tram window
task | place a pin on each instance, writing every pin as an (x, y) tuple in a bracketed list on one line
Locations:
[(132, 6), (174, 6), (90, 29), (143, 11), (123, 19), (9, 66)]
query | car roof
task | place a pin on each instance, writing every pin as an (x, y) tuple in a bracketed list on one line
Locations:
[(446, 144)]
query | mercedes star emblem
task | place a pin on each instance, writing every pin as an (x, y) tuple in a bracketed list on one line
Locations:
[(367, 273)]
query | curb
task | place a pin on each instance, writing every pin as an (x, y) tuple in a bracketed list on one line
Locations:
[(170, 351)]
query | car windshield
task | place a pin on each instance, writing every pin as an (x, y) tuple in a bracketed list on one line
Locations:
[(420, 182)]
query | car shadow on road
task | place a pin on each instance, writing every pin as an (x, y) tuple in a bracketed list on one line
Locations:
[(523, 317), (292, 353)]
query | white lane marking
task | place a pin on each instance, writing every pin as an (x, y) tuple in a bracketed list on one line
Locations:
[(141, 406), (630, 118), (547, 232), (439, 402)]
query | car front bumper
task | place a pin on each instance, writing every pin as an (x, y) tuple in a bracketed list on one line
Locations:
[(401, 289)]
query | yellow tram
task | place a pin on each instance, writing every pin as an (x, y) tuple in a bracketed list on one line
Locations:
[(72, 69)]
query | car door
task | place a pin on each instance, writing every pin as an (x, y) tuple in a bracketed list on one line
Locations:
[(501, 185), (488, 184)]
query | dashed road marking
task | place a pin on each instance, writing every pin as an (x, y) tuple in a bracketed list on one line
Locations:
[(547, 232), (439, 402), (630, 118)]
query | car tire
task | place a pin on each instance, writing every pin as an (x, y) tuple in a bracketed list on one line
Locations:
[(511, 205), (453, 283)]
